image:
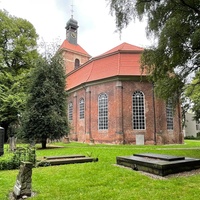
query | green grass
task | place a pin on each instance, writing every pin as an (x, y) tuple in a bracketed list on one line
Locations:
[(103, 180)]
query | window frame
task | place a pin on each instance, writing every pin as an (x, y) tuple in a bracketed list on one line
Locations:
[(169, 115), (138, 111), (81, 108), (76, 63), (70, 111), (103, 111)]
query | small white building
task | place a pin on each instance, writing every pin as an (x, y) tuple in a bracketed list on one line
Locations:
[(192, 127)]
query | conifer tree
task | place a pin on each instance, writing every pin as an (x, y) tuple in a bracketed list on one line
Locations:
[(46, 108)]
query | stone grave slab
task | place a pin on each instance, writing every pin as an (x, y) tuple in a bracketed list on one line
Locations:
[(158, 164), (66, 159), (160, 156), (63, 157)]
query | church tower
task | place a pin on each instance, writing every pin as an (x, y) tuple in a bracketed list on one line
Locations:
[(74, 55), (71, 31)]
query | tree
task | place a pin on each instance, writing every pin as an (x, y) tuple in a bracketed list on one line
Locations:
[(176, 26), (46, 108), (193, 92), (18, 42)]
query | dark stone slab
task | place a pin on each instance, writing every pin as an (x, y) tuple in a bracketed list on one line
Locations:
[(158, 166), (63, 157), (61, 160), (72, 160), (160, 156)]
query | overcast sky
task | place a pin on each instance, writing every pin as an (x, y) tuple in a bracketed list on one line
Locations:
[(96, 32)]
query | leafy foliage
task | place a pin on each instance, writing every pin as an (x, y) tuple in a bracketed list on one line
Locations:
[(17, 54), (45, 115), (13, 160), (193, 91), (176, 26)]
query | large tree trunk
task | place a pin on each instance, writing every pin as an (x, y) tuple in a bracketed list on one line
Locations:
[(44, 143)]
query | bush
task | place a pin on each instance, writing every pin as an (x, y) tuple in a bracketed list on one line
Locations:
[(198, 134), (12, 160), (190, 137)]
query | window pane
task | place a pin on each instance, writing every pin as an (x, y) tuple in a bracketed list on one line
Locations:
[(70, 111), (169, 111), (77, 63), (138, 110), (81, 108), (103, 111)]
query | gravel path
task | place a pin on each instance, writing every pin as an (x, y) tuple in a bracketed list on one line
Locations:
[(153, 176)]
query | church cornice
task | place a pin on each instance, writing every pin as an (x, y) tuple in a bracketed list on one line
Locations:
[(107, 80)]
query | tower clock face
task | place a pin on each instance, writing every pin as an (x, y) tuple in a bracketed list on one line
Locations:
[(73, 35)]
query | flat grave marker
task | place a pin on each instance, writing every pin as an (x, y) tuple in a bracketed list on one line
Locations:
[(158, 164)]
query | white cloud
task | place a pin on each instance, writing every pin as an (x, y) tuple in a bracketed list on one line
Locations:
[(96, 33)]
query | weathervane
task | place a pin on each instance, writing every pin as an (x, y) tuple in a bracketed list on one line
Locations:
[(72, 10)]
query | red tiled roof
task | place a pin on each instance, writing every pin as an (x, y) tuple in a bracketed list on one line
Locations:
[(124, 47), (123, 60), (72, 47)]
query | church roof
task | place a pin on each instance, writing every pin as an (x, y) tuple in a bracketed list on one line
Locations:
[(124, 47), (72, 47), (123, 60)]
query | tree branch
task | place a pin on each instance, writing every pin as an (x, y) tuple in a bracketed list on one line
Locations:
[(193, 8)]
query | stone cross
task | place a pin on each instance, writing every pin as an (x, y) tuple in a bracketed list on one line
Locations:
[(23, 183)]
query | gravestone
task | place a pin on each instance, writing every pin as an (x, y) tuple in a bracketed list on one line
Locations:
[(1, 141), (139, 139), (12, 143), (159, 164), (23, 183)]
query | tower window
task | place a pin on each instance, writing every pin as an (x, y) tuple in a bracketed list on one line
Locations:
[(77, 63), (103, 111), (169, 112), (70, 111), (138, 110), (81, 108)]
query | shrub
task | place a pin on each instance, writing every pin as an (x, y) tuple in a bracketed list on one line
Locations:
[(12, 160)]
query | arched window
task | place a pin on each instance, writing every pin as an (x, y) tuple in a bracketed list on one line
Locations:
[(103, 111), (70, 111), (77, 63), (138, 110), (169, 113), (81, 108)]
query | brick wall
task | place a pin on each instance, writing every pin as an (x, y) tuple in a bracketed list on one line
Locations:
[(120, 128), (69, 60)]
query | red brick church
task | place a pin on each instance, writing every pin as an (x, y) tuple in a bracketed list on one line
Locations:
[(110, 100)]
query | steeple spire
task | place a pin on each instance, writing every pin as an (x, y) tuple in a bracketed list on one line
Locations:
[(72, 10), (72, 28)]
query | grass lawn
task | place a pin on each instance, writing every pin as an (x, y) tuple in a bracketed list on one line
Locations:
[(103, 180)]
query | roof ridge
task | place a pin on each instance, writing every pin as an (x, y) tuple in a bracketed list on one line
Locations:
[(122, 47), (74, 48)]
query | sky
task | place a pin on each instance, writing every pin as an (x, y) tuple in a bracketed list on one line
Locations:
[(97, 30)]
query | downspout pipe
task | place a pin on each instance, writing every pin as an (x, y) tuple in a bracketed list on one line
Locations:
[(154, 114)]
